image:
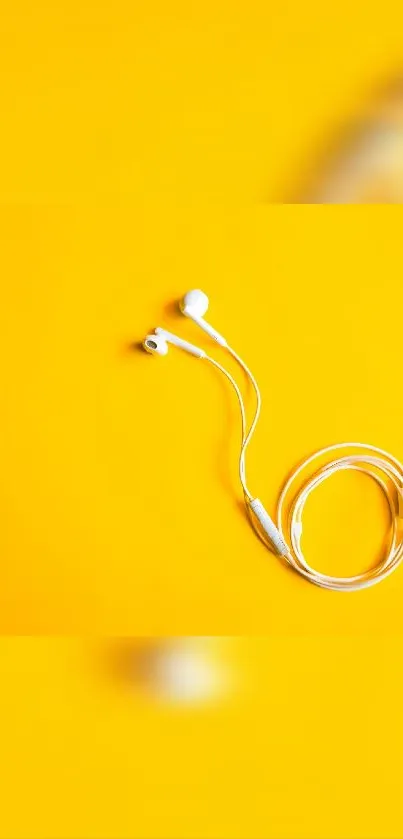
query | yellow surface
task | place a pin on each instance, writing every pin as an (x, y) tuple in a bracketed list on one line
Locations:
[(134, 136), (120, 497), (181, 101), (312, 749), (129, 130)]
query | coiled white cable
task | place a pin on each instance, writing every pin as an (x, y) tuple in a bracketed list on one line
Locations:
[(284, 537)]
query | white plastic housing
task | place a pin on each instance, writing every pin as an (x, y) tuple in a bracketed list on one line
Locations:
[(179, 342), (219, 339), (194, 305), (269, 527), (195, 301), (155, 344)]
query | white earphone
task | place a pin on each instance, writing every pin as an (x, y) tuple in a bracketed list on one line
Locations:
[(194, 305), (284, 537), (158, 343)]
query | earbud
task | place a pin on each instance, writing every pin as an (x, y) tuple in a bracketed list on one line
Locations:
[(194, 305), (157, 344)]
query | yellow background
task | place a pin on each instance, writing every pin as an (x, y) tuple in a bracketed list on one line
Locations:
[(119, 470), (135, 139), (312, 750), (182, 101)]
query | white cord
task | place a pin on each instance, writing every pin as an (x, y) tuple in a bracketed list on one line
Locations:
[(378, 464)]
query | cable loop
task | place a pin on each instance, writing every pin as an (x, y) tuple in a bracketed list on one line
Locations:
[(374, 462)]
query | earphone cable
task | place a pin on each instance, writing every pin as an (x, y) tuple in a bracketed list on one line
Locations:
[(245, 439), (374, 462), (283, 537)]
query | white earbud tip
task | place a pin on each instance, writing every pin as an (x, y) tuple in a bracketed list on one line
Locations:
[(195, 301), (155, 345)]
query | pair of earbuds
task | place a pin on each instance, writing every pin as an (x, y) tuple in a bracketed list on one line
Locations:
[(194, 305), (283, 536)]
